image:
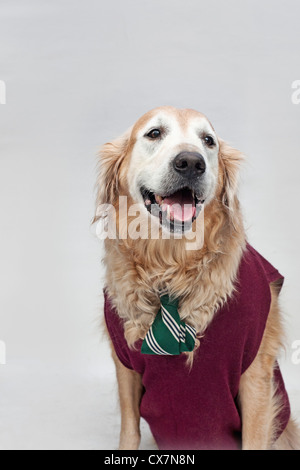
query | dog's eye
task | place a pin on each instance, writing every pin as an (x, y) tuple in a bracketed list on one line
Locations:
[(209, 140), (154, 134)]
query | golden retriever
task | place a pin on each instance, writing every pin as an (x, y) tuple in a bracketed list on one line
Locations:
[(172, 159)]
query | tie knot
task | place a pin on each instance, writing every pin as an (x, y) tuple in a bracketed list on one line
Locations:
[(168, 301)]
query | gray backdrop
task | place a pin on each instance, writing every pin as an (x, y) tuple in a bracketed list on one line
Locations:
[(78, 74)]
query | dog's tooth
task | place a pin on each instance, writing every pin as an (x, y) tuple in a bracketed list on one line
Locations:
[(169, 215), (158, 199)]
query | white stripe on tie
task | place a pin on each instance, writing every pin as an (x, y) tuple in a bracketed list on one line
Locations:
[(148, 341), (153, 344), (182, 333), (174, 322), (191, 330), (171, 324)]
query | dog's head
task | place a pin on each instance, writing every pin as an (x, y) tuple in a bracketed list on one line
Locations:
[(172, 163)]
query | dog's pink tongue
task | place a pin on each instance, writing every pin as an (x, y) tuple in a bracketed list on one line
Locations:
[(181, 204)]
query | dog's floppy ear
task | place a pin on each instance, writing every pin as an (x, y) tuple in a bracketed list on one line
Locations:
[(111, 156), (230, 161)]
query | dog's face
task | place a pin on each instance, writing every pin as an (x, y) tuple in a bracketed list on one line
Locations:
[(171, 163), (173, 168)]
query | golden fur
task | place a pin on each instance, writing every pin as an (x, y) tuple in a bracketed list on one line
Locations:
[(136, 270)]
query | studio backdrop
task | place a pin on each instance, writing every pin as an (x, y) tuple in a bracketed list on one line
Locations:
[(74, 75)]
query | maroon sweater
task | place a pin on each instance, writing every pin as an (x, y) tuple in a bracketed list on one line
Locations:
[(197, 408)]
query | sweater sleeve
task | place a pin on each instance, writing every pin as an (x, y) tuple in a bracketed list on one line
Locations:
[(115, 327), (271, 273)]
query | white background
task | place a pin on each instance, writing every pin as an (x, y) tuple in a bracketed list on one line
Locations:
[(78, 74)]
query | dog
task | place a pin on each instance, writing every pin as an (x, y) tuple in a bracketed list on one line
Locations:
[(226, 392)]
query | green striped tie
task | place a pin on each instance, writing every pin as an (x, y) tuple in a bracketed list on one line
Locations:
[(168, 335)]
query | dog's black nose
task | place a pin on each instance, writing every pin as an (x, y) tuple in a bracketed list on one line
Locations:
[(189, 164)]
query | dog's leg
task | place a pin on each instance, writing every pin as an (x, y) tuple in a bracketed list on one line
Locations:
[(130, 392), (256, 394)]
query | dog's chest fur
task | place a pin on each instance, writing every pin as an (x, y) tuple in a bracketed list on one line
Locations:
[(203, 282)]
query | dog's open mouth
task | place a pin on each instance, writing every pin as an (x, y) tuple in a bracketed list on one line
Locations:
[(176, 211)]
